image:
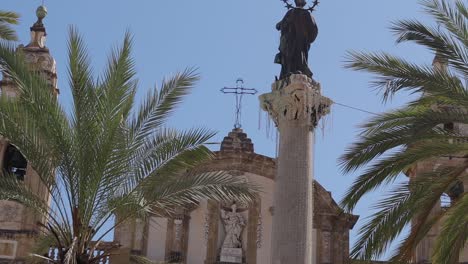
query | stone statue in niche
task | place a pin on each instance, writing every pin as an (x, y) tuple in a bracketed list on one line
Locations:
[(298, 31), (234, 223)]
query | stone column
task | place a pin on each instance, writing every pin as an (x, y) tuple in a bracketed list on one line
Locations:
[(295, 105)]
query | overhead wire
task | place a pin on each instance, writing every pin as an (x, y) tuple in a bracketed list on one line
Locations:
[(340, 104), (355, 108)]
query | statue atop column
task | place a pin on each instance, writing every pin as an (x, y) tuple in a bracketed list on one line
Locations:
[(298, 31)]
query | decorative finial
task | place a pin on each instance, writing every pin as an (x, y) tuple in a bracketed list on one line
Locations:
[(38, 31), (41, 12)]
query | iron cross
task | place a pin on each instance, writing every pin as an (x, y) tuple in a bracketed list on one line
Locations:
[(239, 91)]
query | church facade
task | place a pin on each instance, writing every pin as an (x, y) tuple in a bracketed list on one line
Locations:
[(198, 235)]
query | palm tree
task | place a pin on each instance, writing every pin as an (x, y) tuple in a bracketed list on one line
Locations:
[(6, 20), (108, 156), (395, 141)]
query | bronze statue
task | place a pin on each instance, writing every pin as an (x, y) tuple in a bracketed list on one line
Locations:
[(298, 32)]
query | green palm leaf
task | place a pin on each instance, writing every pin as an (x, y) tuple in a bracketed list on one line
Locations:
[(7, 19), (397, 141)]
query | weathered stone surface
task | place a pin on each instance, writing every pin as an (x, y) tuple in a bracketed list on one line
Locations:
[(332, 227), (296, 98), (213, 227), (120, 256), (231, 255), (296, 105), (237, 140), (8, 249), (253, 233)]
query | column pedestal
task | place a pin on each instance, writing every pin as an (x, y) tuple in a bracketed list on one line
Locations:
[(295, 105)]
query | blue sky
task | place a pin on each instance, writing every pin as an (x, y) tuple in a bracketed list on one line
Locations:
[(231, 39)]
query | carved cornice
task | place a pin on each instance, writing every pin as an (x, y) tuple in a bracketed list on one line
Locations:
[(297, 97), (327, 213), (241, 162)]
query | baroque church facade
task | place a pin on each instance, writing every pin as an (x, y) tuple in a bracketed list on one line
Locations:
[(197, 235), (203, 234)]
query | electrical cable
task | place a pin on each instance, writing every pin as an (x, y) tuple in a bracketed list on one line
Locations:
[(355, 108)]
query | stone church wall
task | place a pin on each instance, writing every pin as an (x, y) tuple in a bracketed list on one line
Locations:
[(157, 238), (264, 225), (198, 236)]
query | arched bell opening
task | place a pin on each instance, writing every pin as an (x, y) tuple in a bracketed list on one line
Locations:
[(14, 163), (452, 195)]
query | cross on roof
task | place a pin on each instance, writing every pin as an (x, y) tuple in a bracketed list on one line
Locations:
[(239, 91)]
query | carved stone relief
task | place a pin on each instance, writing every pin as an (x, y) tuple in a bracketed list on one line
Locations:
[(206, 228), (10, 212), (259, 231), (8, 249)]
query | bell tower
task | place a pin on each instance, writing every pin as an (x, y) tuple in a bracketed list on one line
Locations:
[(425, 247), (18, 224)]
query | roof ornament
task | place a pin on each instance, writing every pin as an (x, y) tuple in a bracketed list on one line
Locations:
[(41, 13), (239, 91), (38, 31)]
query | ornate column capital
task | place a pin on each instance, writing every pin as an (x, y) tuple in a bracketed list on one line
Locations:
[(297, 97)]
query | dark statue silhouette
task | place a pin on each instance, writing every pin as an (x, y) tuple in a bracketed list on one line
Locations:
[(298, 32)]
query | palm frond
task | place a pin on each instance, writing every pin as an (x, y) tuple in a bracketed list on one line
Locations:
[(436, 40), (385, 171), (451, 18), (454, 233), (398, 141), (7, 33), (401, 128), (190, 189), (118, 84), (48, 118), (405, 203), (159, 105), (14, 190), (396, 74), (165, 146), (8, 18)]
